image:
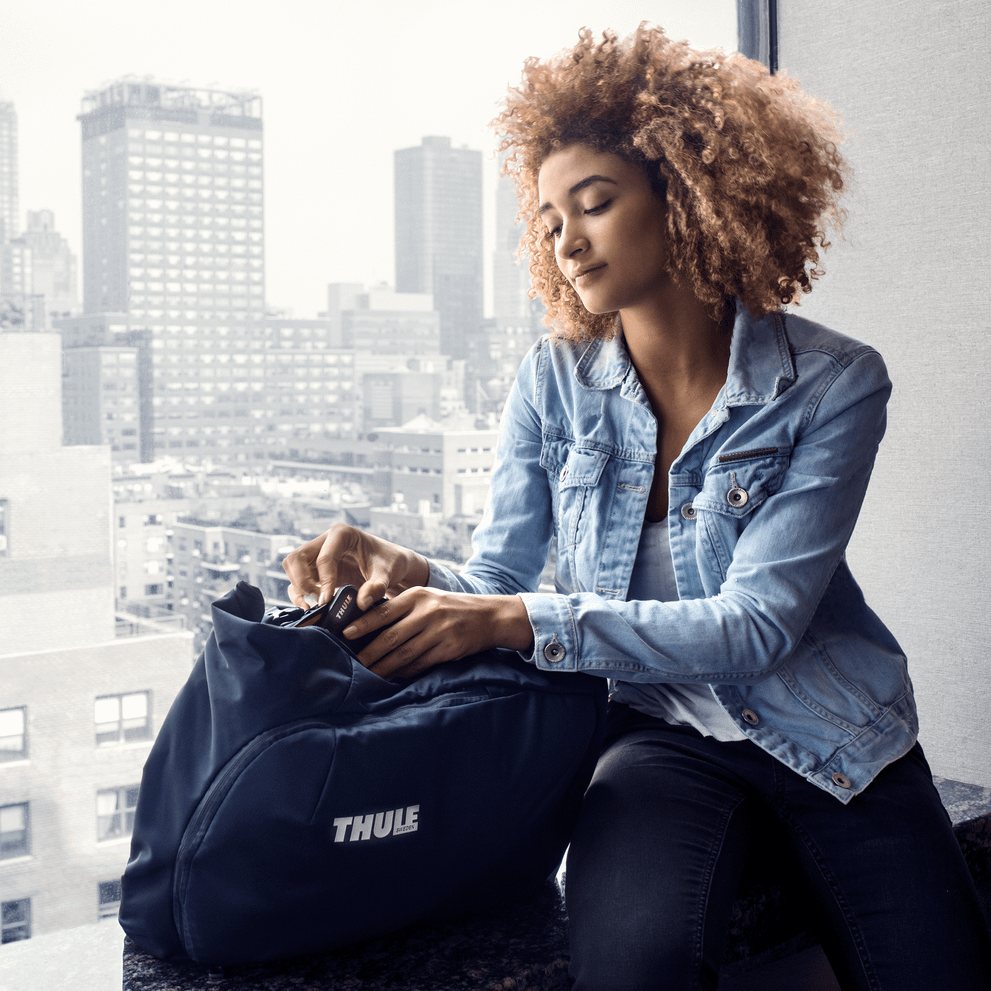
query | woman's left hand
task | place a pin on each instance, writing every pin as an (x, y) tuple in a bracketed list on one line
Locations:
[(427, 626)]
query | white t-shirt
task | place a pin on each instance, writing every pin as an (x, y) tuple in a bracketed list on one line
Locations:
[(688, 704)]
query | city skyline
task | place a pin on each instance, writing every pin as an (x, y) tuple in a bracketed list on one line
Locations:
[(334, 118)]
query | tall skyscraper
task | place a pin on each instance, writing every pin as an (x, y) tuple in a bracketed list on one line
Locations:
[(173, 242), (19, 310), (9, 218), (172, 203), (510, 278), (53, 265), (517, 320), (439, 235)]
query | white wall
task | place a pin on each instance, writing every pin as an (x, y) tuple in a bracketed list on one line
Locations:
[(910, 78)]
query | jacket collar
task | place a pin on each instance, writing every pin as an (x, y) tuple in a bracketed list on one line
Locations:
[(760, 361)]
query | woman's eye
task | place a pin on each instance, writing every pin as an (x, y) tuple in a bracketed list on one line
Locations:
[(553, 234), (599, 208)]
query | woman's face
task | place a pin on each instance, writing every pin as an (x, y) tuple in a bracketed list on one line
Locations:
[(608, 227)]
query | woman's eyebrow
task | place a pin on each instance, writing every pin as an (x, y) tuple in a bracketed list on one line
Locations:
[(587, 181)]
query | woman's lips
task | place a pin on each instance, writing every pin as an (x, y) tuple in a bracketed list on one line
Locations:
[(586, 275)]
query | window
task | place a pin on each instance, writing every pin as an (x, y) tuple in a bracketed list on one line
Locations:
[(13, 831), (122, 718), (15, 920), (115, 812), (108, 894), (13, 735)]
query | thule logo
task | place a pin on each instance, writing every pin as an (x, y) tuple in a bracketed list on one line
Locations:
[(344, 606), (377, 825)]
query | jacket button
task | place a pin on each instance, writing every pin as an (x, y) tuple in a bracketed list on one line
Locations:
[(749, 716), (841, 780), (689, 511), (554, 652), (737, 496)]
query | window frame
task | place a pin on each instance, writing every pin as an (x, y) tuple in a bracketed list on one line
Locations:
[(7, 756), (20, 928), (123, 733), (23, 848), (121, 818), (108, 896)]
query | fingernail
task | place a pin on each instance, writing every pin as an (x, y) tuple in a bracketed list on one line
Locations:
[(310, 600), (349, 632)]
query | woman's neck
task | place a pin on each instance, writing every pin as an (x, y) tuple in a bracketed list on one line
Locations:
[(677, 348)]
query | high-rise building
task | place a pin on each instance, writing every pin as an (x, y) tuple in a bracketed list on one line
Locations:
[(172, 203), (516, 322), (82, 694), (21, 307), (18, 308), (9, 217), (510, 277), (173, 238), (106, 386), (53, 265), (37, 269), (438, 202)]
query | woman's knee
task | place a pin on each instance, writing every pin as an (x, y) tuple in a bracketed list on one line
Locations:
[(652, 871)]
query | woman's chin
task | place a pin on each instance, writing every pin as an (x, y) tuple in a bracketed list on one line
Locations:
[(594, 306)]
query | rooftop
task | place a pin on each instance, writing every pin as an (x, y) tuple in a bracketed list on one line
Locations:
[(134, 92)]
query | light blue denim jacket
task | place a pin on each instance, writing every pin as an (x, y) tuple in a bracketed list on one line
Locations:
[(763, 499)]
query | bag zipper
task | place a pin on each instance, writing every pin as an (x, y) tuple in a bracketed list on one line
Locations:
[(212, 800)]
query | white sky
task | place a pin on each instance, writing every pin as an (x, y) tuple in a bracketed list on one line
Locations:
[(343, 83)]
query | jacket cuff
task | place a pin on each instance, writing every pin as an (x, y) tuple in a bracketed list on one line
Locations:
[(555, 638), (443, 578)]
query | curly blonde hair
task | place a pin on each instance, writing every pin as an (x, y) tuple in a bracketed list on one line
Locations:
[(747, 162)]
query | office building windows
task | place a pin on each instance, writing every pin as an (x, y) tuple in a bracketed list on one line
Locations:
[(15, 920), (433, 183), (14, 831), (13, 734), (180, 199), (122, 718), (115, 812), (108, 899)]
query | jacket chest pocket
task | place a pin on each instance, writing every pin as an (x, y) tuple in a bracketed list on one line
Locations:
[(574, 475), (732, 490)]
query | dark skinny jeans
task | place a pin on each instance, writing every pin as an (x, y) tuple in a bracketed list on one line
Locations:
[(667, 825)]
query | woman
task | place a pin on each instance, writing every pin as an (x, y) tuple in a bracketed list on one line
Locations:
[(699, 459)]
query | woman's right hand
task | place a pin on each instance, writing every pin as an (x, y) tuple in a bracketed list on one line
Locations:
[(345, 555)]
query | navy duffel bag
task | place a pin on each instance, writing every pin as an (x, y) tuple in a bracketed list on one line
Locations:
[(294, 801)]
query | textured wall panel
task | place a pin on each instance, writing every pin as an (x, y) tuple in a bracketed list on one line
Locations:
[(911, 81)]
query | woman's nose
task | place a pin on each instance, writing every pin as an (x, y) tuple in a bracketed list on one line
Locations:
[(571, 241)]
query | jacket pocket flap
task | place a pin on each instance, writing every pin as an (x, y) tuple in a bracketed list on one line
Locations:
[(738, 487), (583, 467)]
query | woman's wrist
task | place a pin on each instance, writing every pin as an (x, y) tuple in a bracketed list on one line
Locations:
[(510, 623), (418, 572)]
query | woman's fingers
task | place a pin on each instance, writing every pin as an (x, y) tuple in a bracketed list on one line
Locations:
[(344, 559), (425, 627), (422, 659), (297, 565), (320, 565)]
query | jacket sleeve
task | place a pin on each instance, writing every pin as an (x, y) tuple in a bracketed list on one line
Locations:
[(511, 543), (778, 572)]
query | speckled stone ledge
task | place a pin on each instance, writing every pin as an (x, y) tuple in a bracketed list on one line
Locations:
[(525, 948)]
